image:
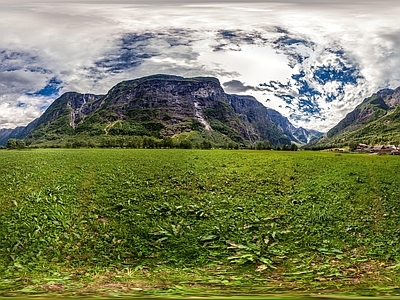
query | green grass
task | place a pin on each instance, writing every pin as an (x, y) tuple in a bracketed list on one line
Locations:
[(198, 221)]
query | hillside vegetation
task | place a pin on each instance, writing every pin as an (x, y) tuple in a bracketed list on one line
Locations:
[(252, 221), (375, 121)]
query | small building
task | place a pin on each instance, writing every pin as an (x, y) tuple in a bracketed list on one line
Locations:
[(382, 149), (395, 152), (376, 149), (362, 146)]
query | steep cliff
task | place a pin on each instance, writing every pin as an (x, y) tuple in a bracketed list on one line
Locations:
[(62, 116), (259, 117)]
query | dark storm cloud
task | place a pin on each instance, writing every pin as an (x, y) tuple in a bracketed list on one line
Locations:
[(15, 59), (288, 43), (236, 86), (19, 81), (21, 72), (12, 60)]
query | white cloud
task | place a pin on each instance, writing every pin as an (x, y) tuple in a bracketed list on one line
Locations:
[(21, 110), (67, 38)]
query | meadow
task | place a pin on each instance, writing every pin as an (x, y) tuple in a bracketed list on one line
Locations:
[(198, 222)]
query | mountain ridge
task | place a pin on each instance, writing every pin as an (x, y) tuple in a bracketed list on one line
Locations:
[(373, 121), (161, 106)]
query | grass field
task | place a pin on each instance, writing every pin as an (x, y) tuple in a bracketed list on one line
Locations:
[(198, 221)]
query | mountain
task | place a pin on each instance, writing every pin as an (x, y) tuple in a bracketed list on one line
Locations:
[(296, 134), (160, 106), (4, 135), (19, 132), (62, 117), (375, 120), (259, 115)]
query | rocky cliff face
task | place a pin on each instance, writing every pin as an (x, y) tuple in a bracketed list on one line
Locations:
[(76, 106), (62, 116), (259, 117), (162, 105), (175, 101), (80, 106), (170, 100)]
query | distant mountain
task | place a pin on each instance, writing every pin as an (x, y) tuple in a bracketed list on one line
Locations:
[(19, 132), (296, 134), (376, 120), (160, 106), (259, 115), (4, 135)]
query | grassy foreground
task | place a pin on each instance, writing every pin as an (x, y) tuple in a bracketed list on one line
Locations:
[(198, 222)]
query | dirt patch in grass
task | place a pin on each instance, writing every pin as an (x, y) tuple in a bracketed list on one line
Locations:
[(57, 287)]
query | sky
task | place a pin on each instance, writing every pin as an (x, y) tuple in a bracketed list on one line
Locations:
[(312, 60)]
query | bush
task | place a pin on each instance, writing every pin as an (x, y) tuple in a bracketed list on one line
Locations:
[(185, 144)]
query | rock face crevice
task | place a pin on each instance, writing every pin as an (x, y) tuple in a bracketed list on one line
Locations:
[(80, 106), (198, 110)]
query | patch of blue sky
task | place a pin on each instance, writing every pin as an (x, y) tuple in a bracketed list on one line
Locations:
[(52, 88)]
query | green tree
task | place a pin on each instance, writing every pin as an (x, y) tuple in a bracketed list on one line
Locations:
[(205, 144), (11, 144), (15, 144), (185, 144), (167, 142), (293, 147), (352, 145)]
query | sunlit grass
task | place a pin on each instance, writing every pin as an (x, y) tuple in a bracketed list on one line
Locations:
[(244, 220)]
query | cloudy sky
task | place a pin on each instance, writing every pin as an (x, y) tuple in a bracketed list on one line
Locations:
[(312, 60)]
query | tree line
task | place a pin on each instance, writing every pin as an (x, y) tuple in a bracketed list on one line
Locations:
[(146, 142)]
